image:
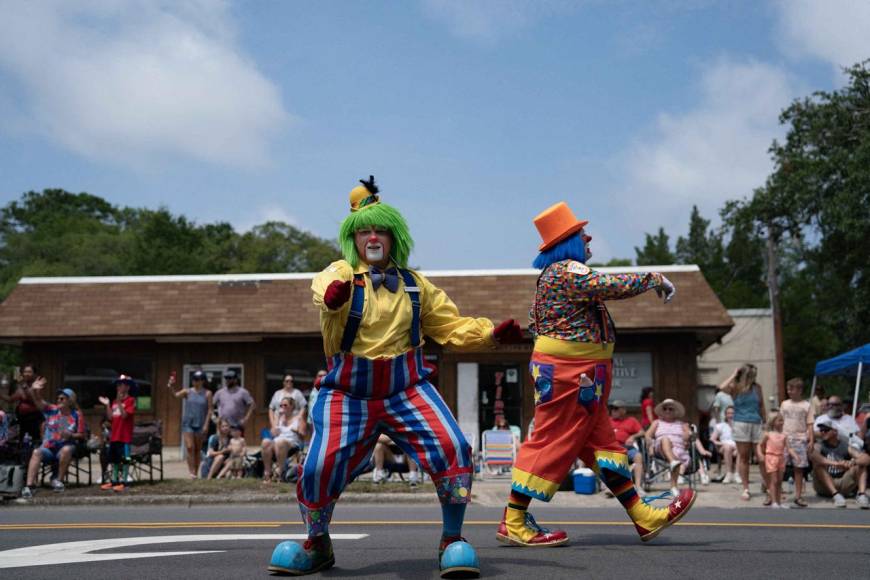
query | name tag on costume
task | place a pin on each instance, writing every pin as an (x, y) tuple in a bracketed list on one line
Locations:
[(578, 268)]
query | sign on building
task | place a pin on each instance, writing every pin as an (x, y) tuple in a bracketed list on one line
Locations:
[(632, 371)]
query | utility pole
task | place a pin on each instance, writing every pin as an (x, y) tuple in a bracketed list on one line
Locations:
[(773, 291)]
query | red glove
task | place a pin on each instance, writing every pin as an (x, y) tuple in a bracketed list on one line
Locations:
[(336, 294), (508, 332)]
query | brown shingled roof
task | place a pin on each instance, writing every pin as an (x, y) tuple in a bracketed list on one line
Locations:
[(281, 305)]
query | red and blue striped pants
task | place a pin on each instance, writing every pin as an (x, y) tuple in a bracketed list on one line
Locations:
[(348, 420)]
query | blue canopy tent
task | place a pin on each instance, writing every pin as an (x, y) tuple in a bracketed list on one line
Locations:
[(847, 364)]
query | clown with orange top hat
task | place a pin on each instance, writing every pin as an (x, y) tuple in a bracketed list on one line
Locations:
[(374, 312), (572, 368)]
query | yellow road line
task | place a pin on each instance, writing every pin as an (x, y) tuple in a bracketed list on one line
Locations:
[(181, 525)]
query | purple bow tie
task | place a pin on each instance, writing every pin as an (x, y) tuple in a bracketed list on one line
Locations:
[(389, 278)]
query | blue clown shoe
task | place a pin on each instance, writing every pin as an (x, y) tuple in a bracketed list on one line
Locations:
[(313, 556), (459, 560)]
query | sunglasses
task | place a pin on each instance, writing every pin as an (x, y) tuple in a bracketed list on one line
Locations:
[(285, 405), (668, 409), (823, 429)]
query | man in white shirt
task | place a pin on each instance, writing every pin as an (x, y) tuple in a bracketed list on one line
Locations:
[(845, 424)]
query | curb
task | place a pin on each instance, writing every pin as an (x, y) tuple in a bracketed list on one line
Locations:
[(200, 499)]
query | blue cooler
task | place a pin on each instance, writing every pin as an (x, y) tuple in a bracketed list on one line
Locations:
[(585, 481)]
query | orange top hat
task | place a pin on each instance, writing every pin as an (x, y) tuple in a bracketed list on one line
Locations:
[(556, 223)]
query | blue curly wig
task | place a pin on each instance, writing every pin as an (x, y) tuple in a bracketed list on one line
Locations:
[(571, 248)]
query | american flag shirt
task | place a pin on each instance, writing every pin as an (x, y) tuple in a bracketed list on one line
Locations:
[(569, 301)]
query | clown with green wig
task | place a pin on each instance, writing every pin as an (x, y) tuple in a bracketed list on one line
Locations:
[(374, 313)]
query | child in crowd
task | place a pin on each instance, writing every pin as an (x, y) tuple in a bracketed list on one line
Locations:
[(773, 447), (646, 407), (723, 439), (234, 467), (798, 428), (121, 413)]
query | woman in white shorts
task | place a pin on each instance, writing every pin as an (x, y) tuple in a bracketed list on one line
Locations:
[(749, 413)]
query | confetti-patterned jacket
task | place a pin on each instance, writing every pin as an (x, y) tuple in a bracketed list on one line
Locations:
[(569, 301)]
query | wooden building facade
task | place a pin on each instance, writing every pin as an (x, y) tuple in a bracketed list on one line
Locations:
[(82, 332)]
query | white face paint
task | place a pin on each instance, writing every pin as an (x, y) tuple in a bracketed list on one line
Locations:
[(374, 253), (374, 245)]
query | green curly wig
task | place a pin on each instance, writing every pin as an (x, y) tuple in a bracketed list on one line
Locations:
[(379, 215)]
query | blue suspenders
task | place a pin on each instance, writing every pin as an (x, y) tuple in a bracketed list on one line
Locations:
[(357, 301)]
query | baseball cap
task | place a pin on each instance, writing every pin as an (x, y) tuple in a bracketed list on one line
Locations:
[(198, 376), (70, 394), (231, 374), (824, 423)]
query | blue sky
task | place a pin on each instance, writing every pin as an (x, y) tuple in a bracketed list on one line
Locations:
[(473, 116)]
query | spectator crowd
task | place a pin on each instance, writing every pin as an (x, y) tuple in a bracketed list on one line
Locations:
[(803, 443)]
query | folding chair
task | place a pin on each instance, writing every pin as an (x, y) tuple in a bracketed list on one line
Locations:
[(498, 449), (147, 442)]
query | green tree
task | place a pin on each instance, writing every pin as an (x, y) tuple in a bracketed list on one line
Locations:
[(57, 233), (816, 207), (280, 247), (656, 250)]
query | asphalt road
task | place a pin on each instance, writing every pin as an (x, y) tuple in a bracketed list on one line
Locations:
[(382, 541)]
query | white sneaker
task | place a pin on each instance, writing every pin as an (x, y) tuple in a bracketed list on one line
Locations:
[(737, 479), (675, 492), (379, 476), (784, 506), (705, 479), (681, 480), (775, 506), (839, 500), (26, 493), (414, 479), (57, 485), (863, 501), (728, 478)]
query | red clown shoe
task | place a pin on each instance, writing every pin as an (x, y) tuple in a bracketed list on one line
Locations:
[(676, 510)]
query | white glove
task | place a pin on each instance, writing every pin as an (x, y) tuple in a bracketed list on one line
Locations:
[(667, 289)]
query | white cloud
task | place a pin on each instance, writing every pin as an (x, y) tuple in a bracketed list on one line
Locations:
[(488, 20), (128, 82), (835, 31), (265, 213), (714, 152)]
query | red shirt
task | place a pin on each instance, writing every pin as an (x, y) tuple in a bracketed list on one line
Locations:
[(643, 414), (624, 428), (122, 427)]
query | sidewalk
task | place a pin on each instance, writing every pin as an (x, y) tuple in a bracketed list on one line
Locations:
[(179, 489)]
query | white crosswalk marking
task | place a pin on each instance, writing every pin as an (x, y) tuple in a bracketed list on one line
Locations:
[(76, 552)]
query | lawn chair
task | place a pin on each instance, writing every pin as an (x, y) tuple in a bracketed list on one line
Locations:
[(498, 450), (79, 467), (475, 456), (147, 443)]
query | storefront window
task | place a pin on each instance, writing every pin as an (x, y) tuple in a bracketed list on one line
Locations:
[(500, 394), (632, 371), (303, 367), (93, 377)]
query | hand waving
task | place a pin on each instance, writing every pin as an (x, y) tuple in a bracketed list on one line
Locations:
[(666, 290), (104, 401)]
